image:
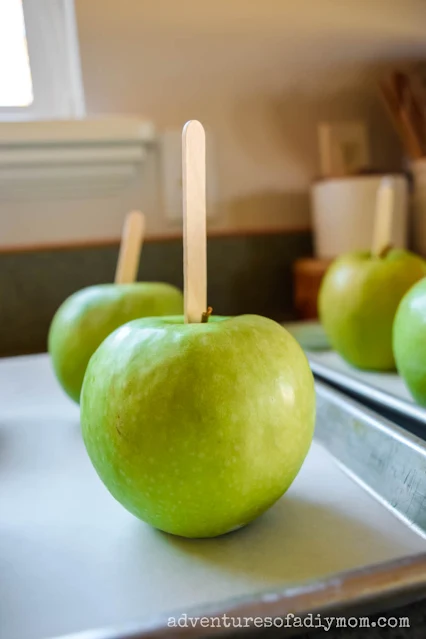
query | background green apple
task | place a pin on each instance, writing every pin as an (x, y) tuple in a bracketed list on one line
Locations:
[(409, 340), (358, 300), (198, 428), (84, 320)]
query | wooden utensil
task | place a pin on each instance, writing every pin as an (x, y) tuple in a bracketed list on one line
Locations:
[(194, 221), (382, 233), (406, 112), (130, 248)]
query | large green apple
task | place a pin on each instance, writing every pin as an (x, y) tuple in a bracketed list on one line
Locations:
[(198, 428), (409, 340), (357, 303), (87, 317)]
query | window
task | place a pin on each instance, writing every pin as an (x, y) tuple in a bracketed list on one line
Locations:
[(16, 87), (40, 76)]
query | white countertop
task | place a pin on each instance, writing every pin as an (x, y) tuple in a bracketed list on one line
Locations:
[(71, 558)]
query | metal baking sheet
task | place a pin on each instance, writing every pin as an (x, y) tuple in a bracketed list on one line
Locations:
[(73, 561), (384, 390)]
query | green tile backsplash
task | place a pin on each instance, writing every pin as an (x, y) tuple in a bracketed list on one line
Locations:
[(245, 275)]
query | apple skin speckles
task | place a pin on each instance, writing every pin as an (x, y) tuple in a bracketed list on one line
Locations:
[(216, 418), (358, 300), (87, 317)]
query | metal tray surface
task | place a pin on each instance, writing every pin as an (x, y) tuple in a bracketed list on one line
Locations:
[(384, 390), (73, 561)]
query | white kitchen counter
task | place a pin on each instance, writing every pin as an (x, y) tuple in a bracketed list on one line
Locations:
[(71, 558)]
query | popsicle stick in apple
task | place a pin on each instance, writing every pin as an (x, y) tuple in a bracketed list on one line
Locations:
[(88, 316), (198, 423), (132, 239), (194, 221), (361, 291), (382, 232)]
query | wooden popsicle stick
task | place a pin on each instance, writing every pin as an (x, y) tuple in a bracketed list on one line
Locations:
[(382, 232), (130, 248), (194, 221)]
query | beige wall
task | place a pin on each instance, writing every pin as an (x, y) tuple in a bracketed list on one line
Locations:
[(260, 74)]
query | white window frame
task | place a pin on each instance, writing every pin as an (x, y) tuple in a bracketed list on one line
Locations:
[(53, 50)]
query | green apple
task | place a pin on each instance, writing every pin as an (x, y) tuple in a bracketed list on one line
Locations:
[(409, 340), (358, 299), (87, 317), (198, 428)]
